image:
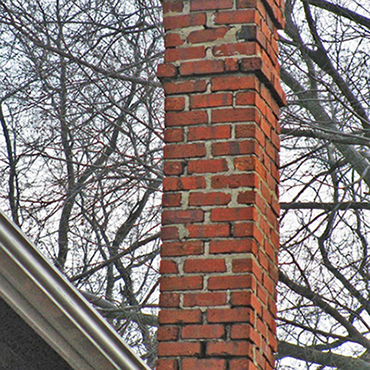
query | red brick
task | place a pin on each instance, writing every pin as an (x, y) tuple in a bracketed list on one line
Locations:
[(272, 341), (275, 206), (171, 200), (275, 173), (247, 4), (183, 183), (182, 216), (242, 48), (211, 4), (244, 229), (201, 67), (179, 316), (274, 238), (175, 104), (263, 260), (260, 362), (233, 83), (231, 64), (173, 168), (205, 299), (207, 35), (207, 166), (231, 282), (186, 118), (209, 199), (267, 97), (247, 229), (266, 126), (184, 87), (211, 100), (252, 98), (182, 21), (176, 151), (250, 130), (234, 181), (250, 163), (225, 315), (172, 135), (206, 133), (261, 327), (235, 17), (172, 6), (167, 333), (169, 300), (232, 214), (246, 98), (169, 232), (233, 246), (166, 70), (168, 267), (233, 348), (179, 54), (235, 148), (203, 364), (204, 265), (269, 284), (208, 231), (246, 298), (178, 349), (243, 363), (245, 331), (167, 364), (251, 64), (178, 249), (172, 39), (247, 265), (271, 151), (202, 331), (181, 283), (272, 254), (275, 139), (266, 192), (234, 115)]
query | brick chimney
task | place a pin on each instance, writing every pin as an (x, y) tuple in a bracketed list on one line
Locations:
[(220, 204)]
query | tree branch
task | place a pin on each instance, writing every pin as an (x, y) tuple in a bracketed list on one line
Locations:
[(113, 259), (357, 161), (110, 310), (341, 11), (318, 301), (323, 358), (326, 206)]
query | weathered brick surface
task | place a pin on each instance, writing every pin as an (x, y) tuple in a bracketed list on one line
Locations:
[(203, 364), (202, 331), (209, 132), (205, 299), (209, 199), (220, 206), (208, 231)]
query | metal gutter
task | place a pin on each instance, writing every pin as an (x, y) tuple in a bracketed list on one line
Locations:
[(50, 304)]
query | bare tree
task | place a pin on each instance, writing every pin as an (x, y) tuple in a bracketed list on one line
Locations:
[(324, 291), (81, 117)]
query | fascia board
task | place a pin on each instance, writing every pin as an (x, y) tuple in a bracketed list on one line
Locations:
[(42, 296)]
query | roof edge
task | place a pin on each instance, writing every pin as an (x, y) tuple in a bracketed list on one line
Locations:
[(49, 303)]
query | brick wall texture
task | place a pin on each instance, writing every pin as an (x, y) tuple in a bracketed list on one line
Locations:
[(220, 207)]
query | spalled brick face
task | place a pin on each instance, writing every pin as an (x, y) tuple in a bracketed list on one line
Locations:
[(220, 206)]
